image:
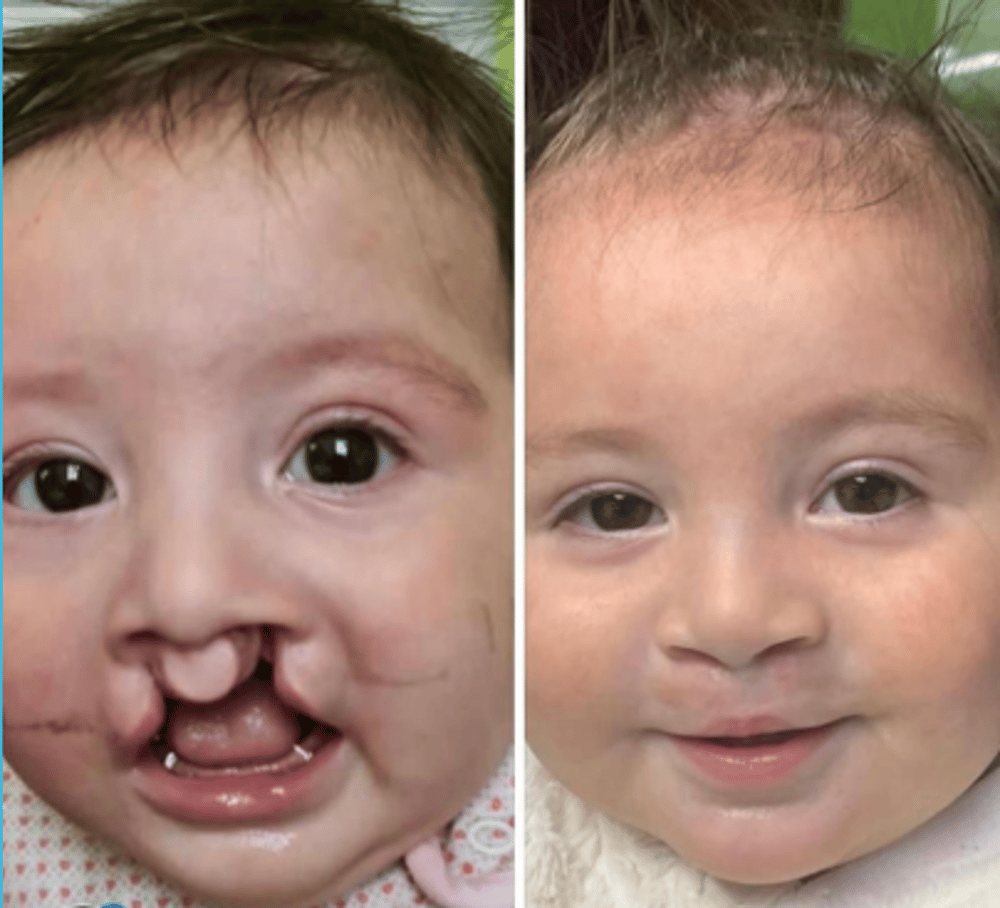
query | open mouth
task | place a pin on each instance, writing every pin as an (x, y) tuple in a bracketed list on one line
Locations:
[(249, 732), (774, 738), (743, 761)]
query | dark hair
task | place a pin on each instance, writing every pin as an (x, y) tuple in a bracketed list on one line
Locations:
[(670, 72), (163, 64)]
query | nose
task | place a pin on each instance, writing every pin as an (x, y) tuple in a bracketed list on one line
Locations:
[(191, 607), (738, 598)]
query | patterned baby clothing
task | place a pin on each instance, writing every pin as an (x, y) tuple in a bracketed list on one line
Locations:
[(50, 862)]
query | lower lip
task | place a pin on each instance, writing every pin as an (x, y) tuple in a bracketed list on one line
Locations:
[(754, 765), (236, 799)]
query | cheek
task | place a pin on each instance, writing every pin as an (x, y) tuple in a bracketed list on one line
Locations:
[(446, 718), (46, 669), (438, 600), (931, 629), (51, 727), (583, 649)]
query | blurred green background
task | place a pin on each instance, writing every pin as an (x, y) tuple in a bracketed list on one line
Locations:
[(503, 57), (969, 58), (483, 28)]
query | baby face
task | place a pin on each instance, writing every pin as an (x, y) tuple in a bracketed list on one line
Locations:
[(256, 506), (763, 584)]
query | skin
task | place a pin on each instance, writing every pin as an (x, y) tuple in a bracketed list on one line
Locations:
[(208, 317), (729, 360)]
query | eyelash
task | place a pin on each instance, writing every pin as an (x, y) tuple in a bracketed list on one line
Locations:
[(389, 454), (581, 504), (386, 441), (913, 495), (19, 467)]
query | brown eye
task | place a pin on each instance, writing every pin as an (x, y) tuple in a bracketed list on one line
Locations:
[(867, 493), (343, 455), (57, 486), (614, 512)]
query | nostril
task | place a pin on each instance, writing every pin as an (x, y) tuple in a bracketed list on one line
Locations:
[(686, 654)]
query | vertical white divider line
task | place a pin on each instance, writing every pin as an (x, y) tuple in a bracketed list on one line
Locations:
[(520, 56)]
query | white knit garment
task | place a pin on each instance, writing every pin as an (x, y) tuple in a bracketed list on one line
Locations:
[(51, 863), (578, 858)]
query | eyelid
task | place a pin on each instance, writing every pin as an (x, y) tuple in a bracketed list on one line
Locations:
[(577, 498), (895, 472), (343, 417), (32, 455), (351, 416), (18, 466)]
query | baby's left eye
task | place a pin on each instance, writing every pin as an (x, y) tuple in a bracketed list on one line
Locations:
[(344, 456), (866, 493)]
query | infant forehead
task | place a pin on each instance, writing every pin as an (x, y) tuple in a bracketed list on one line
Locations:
[(710, 175), (298, 209), (765, 197)]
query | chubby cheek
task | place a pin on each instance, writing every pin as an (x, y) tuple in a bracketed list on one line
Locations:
[(583, 649), (423, 599), (51, 726), (431, 678), (49, 665), (931, 628)]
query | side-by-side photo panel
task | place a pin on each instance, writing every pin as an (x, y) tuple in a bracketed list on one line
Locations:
[(258, 407), (275, 326), (762, 604)]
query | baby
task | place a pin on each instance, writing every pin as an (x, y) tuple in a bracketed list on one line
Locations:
[(763, 504), (257, 449)]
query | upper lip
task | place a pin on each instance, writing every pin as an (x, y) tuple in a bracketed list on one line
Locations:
[(746, 727)]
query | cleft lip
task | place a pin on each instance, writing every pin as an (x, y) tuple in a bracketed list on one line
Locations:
[(311, 736), (148, 736), (134, 746)]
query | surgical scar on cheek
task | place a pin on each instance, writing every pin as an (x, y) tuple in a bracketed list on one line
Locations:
[(69, 726), (491, 638)]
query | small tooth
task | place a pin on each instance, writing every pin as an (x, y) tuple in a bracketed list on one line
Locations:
[(302, 752), (170, 760)]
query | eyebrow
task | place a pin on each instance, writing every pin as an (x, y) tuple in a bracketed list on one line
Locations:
[(438, 375), (64, 385), (422, 365), (901, 408), (567, 444)]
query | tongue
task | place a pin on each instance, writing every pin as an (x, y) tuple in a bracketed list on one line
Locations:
[(250, 726)]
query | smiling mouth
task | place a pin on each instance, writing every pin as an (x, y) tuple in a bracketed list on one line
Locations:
[(250, 732), (779, 737), (772, 757)]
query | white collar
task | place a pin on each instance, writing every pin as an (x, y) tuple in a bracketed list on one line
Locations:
[(578, 858)]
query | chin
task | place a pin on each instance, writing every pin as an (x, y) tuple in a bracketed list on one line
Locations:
[(757, 860), (229, 876)]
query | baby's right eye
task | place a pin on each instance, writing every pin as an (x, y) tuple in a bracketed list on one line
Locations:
[(613, 511), (56, 486)]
